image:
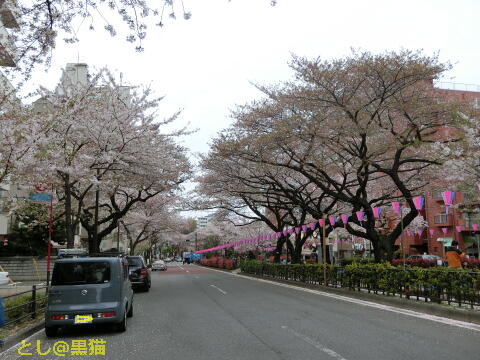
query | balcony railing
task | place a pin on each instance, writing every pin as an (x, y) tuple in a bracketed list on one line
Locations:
[(442, 220)]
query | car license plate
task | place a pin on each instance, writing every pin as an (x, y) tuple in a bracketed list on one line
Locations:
[(83, 319)]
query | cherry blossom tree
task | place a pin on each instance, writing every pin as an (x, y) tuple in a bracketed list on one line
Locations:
[(40, 24), (360, 128), (148, 220), (106, 152)]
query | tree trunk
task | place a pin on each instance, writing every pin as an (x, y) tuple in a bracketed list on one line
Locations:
[(92, 244), (278, 251), (69, 227)]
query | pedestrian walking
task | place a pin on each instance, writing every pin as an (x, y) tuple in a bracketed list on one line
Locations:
[(454, 255)]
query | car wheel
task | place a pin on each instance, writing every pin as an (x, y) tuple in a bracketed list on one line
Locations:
[(130, 312), (122, 326), (51, 331), (146, 287)]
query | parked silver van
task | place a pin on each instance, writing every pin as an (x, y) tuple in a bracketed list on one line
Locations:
[(89, 290)]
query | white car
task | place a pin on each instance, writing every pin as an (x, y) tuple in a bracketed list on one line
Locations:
[(159, 265)]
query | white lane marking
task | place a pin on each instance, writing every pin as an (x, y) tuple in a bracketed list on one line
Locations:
[(187, 271), (315, 344), (14, 349), (181, 267), (223, 292), (439, 319), (197, 277)]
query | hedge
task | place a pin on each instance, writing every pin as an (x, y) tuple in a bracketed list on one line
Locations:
[(218, 262), (439, 284)]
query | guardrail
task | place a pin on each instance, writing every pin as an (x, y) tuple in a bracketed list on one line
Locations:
[(22, 306), (440, 285)]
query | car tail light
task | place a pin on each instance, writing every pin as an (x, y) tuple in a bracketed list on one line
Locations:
[(107, 314), (59, 317), (142, 271)]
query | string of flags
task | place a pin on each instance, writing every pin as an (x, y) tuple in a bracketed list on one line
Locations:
[(418, 202)]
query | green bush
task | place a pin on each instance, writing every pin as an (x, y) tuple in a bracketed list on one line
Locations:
[(436, 284), (19, 306)]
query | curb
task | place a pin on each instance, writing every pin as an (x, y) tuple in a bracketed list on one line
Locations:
[(462, 314), (14, 339)]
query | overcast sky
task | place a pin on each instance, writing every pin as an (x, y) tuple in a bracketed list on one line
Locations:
[(205, 65)]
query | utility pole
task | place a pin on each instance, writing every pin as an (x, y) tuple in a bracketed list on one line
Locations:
[(196, 238)]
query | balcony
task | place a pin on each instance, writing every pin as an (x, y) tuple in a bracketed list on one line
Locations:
[(442, 220)]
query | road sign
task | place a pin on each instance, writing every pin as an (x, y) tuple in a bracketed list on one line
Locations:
[(40, 198)]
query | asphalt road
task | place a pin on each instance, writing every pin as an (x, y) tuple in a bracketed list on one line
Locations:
[(197, 313)]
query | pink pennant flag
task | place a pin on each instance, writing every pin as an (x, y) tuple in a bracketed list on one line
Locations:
[(284, 232), (290, 231), (419, 232), (279, 235), (459, 228), (376, 212), (344, 220), (269, 237), (445, 230), (409, 233), (360, 215), (418, 201), (332, 221), (447, 199), (431, 231), (304, 228), (312, 226), (320, 222), (396, 207), (475, 227), (297, 230)]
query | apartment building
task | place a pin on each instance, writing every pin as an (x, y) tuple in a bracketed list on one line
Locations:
[(455, 223)]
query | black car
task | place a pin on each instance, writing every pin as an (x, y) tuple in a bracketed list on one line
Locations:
[(139, 273)]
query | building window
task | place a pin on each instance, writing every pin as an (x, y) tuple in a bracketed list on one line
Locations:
[(440, 219)]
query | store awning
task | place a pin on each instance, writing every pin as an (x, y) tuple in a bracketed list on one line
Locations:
[(447, 241)]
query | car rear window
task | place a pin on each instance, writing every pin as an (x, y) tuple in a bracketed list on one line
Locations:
[(76, 273), (135, 262)]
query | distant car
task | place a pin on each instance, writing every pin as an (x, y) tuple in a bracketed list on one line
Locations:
[(159, 265), (168, 259), (139, 273), (178, 259), (436, 258)]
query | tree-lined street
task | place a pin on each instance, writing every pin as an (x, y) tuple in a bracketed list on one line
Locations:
[(197, 313)]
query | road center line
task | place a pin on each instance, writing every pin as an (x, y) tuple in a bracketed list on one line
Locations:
[(181, 267), (438, 319), (315, 344), (223, 292)]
